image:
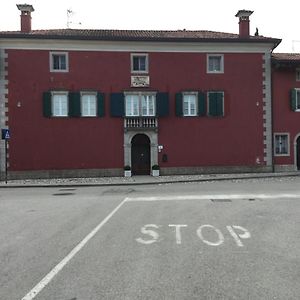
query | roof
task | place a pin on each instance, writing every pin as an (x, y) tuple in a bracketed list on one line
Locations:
[(137, 35), (286, 57)]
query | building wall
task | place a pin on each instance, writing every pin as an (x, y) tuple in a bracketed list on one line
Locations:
[(39, 143), (284, 119)]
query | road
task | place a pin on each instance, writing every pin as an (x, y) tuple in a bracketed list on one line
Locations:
[(216, 240)]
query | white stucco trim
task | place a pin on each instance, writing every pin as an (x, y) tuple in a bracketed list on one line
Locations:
[(267, 109), (132, 46), (3, 104)]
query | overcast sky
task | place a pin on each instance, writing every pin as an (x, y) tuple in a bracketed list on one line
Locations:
[(277, 19)]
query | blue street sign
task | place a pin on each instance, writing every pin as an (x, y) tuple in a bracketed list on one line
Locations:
[(5, 134)]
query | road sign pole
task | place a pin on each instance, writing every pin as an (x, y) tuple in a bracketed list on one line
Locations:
[(6, 161)]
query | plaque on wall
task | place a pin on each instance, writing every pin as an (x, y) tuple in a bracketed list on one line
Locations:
[(140, 81)]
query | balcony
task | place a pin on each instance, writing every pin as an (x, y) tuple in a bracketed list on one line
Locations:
[(140, 123)]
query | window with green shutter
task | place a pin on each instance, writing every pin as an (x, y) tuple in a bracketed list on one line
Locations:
[(100, 105), (201, 104), (162, 104), (74, 104), (179, 104), (216, 104), (117, 105), (47, 106), (295, 99)]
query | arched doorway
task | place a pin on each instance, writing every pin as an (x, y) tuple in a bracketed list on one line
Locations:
[(298, 153), (140, 155)]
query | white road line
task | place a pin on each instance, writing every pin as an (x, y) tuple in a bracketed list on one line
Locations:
[(40, 286), (214, 196)]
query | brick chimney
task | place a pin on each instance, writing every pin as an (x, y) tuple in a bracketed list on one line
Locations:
[(26, 11), (244, 22)]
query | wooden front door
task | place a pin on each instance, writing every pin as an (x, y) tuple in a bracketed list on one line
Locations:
[(140, 155)]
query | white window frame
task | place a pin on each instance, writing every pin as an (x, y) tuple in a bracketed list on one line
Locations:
[(148, 114), (189, 114), (89, 114), (140, 95), (298, 74), (59, 93), (66, 54), (146, 63), (221, 71), (287, 146)]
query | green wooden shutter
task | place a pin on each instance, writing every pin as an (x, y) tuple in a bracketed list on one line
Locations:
[(293, 99), (201, 104), (212, 104), (117, 105), (100, 105), (74, 104), (220, 103), (215, 105), (162, 104), (47, 104), (178, 105)]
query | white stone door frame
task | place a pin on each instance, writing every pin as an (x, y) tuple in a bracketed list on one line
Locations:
[(152, 135)]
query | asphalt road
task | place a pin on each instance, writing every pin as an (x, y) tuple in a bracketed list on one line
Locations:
[(216, 240)]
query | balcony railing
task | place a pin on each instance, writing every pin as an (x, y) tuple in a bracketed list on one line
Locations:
[(135, 123)]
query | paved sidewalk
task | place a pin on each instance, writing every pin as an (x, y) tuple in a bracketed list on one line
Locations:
[(139, 180)]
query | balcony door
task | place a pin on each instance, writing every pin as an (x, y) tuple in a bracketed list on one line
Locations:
[(140, 155)]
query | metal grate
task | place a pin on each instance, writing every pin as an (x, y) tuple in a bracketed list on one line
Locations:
[(221, 200)]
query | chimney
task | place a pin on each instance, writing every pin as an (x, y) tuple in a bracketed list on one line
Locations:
[(244, 23), (26, 10)]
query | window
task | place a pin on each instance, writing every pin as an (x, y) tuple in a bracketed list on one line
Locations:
[(189, 104), (148, 105), (295, 100), (140, 104), (281, 144), (139, 63), (215, 104), (60, 104), (59, 62), (215, 63), (297, 74), (88, 104)]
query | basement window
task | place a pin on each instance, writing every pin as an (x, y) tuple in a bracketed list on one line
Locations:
[(59, 62)]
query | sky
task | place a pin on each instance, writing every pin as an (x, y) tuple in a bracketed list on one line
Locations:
[(277, 19)]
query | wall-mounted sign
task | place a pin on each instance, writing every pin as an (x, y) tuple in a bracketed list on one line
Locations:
[(140, 81)]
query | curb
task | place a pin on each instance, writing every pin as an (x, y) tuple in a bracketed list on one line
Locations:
[(190, 180)]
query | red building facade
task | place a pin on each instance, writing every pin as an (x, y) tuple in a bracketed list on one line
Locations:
[(88, 103)]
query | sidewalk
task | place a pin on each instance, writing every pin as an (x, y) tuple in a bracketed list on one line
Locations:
[(139, 180)]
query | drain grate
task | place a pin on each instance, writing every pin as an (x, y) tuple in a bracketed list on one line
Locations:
[(67, 189), (63, 194), (221, 200)]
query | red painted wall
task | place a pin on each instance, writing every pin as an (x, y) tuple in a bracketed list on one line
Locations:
[(284, 119), (39, 143)]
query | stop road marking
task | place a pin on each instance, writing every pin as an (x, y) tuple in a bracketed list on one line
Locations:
[(152, 236)]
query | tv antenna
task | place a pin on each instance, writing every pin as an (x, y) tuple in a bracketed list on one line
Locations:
[(70, 14)]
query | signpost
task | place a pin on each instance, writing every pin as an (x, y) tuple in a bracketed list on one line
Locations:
[(5, 136)]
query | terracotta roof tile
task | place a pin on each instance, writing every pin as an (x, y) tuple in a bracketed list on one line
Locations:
[(292, 57), (135, 35)]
